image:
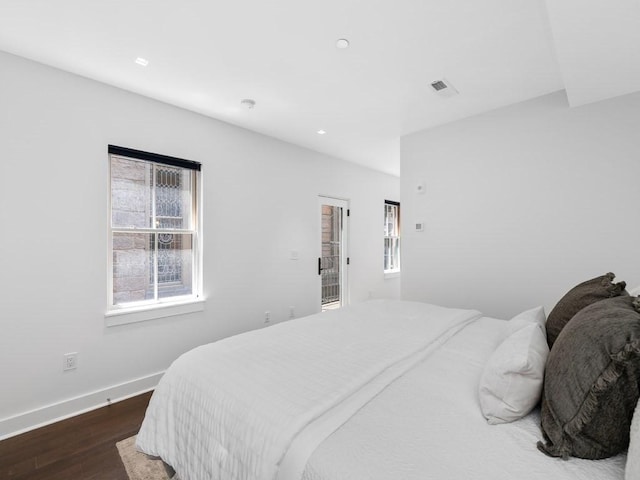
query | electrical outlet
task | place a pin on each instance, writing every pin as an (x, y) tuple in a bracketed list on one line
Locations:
[(267, 317), (292, 312), (70, 361)]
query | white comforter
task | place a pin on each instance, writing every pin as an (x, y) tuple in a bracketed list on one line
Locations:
[(230, 410), (427, 425)]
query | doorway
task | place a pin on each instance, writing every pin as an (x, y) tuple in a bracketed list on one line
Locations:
[(333, 259)]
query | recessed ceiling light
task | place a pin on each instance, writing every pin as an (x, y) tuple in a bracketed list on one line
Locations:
[(321, 132), (248, 103), (342, 43), (142, 61)]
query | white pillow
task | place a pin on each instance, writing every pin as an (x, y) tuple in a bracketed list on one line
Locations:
[(632, 470), (511, 383), (534, 315)]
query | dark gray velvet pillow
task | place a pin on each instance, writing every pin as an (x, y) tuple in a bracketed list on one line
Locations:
[(591, 381), (579, 297)]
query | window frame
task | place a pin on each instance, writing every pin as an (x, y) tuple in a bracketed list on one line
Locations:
[(158, 307), (392, 271)]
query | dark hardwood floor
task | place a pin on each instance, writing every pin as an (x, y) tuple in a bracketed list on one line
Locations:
[(80, 448)]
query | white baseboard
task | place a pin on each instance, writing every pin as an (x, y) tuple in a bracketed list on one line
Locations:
[(39, 417)]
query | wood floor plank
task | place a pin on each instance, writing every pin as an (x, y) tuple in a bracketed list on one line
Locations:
[(104, 464)]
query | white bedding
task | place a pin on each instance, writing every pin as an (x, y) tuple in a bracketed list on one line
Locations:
[(230, 410), (427, 425), (378, 391)]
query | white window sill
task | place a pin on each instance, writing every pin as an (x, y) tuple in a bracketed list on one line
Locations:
[(151, 312), (390, 275)]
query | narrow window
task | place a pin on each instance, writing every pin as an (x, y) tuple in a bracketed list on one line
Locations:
[(391, 236), (154, 229)]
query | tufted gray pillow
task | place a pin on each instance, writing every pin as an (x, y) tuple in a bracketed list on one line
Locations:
[(579, 297), (591, 381)]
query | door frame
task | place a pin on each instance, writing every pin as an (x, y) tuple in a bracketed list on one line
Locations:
[(344, 247)]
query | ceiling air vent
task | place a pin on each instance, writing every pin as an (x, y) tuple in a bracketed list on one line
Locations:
[(444, 88)]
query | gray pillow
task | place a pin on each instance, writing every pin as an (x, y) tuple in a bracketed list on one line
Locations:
[(579, 297), (591, 381)]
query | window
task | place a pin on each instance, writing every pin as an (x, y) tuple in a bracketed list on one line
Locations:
[(154, 231), (391, 236)]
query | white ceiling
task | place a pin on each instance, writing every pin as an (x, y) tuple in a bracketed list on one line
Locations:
[(208, 55), (598, 47)]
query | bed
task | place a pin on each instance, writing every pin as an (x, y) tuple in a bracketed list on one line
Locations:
[(378, 390)]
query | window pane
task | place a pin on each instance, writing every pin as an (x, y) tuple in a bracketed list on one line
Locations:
[(391, 253), (387, 253), (173, 197), (395, 253), (130, 201), (391, 220), (135, 183), (132, 267), (134, 270), (174, 264)]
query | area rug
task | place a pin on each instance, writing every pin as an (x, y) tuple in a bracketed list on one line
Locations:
[(140, 466)]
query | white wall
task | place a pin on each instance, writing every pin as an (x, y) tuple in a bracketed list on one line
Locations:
[(260, 202), (522, 203)]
